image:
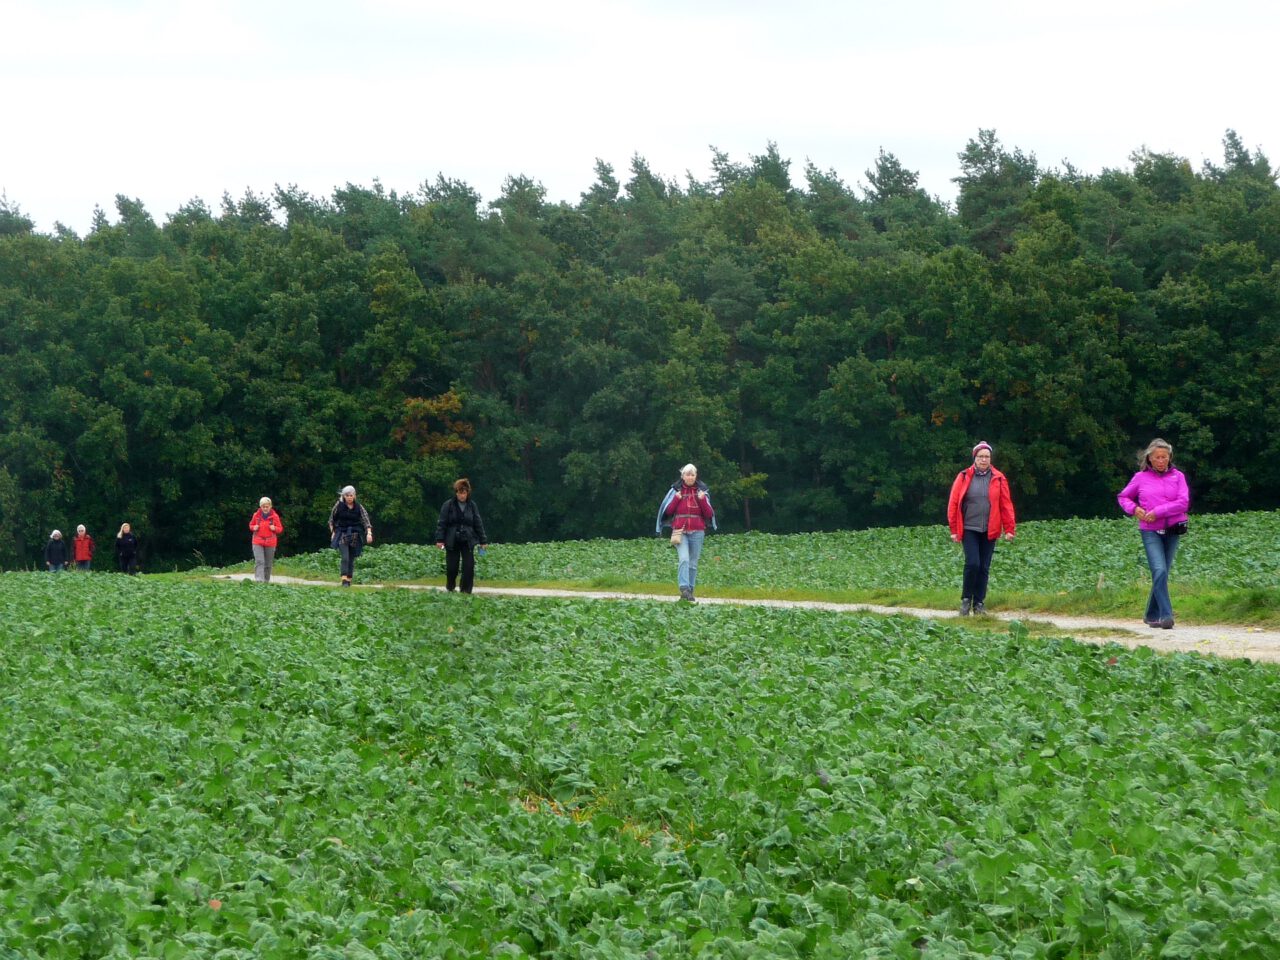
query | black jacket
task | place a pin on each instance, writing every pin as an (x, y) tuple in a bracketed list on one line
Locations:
[(55, 552), (460, 524), (127, 545)]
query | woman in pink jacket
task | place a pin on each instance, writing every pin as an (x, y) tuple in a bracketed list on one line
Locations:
[(1158, 496)]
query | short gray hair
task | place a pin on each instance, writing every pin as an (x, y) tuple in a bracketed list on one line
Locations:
[(1144, 458), (347, 489), (686, 468)]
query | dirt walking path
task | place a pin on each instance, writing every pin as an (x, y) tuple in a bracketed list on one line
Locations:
[(1220, 640)]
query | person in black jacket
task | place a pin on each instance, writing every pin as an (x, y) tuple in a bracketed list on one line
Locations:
[(458, 533), (349, 529), (55, 552), (127, 550)]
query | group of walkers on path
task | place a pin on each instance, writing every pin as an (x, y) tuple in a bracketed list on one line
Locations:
[(979, 512), (57, 556), (459, 533)]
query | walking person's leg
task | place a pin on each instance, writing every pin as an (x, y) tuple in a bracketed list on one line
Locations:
[(972, 544), (468, 567), (1171, 542), (452, 560), (348, 563), (986, 548), (1159, 609), (268, 563), (682, 567), (259, 563), (694, 539)]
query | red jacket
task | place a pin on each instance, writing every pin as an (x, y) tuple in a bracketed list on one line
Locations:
[(688, 510), (82, 548), (1001, 519), (266, 532)]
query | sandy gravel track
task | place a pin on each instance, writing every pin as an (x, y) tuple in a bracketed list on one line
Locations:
[(1221, 640)]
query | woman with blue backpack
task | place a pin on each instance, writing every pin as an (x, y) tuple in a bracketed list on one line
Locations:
[(687, 510)]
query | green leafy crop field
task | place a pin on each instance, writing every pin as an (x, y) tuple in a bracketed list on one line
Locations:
[(234, 771)]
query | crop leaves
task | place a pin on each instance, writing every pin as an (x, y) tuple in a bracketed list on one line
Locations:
[(200, 769)]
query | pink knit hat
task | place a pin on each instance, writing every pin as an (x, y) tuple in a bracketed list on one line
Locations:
[(981, 445)]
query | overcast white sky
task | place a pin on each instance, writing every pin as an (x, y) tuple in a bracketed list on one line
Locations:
[(170, 100)]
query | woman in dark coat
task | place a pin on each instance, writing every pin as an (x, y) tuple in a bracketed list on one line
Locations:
[(127, 550), (350, 529), (55, 552), (459, 531)]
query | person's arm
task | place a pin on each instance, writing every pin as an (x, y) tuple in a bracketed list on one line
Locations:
[(333, 516), (483, 537), (1175, 507), (1007, 519), (442, 524), (1127, 498), (954, 518), (704, 506), (368, 524), (277, 525)]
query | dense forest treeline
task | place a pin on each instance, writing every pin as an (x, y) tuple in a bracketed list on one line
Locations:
[(826, 354)]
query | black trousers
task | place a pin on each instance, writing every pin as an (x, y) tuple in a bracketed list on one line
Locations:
[(978, 549), (462, 555)]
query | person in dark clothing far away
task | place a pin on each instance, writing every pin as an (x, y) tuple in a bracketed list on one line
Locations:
[(127, 550), (55, 552)]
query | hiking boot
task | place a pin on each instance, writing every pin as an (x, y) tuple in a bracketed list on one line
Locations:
[(1166, 623), (686, 593), (965, 606), (979, 608)]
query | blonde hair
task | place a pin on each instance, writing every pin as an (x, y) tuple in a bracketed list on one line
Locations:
[(1144, 458)]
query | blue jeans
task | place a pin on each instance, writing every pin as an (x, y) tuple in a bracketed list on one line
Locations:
[(687, 553), (978, 549), (1161, 549)]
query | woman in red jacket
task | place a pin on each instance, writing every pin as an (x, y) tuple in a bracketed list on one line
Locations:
[(978, 511), (267, 527), (82, 549)]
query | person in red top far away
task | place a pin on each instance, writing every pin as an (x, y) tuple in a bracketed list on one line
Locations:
[(82, 549), (978, 511)]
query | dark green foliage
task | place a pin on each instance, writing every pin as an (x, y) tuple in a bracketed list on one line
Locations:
[(826, 355)]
